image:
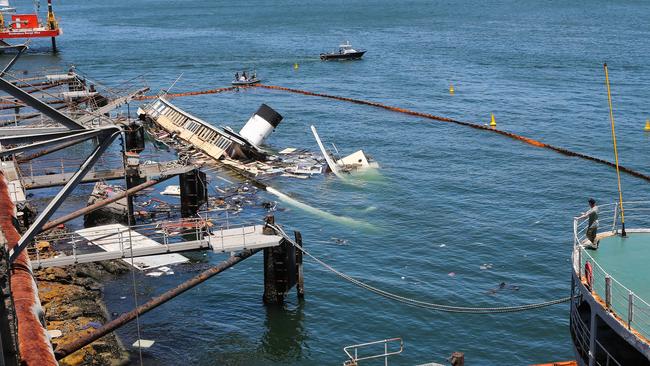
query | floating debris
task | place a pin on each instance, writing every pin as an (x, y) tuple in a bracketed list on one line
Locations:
[(143, 343), (340, 241), (172, 191), (115, 212)]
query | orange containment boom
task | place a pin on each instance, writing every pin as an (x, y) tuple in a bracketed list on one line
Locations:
[(561, 363)]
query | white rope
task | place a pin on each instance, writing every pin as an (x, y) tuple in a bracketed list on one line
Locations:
[(131, 220), (418, 303)]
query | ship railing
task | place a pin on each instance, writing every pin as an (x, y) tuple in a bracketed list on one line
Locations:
[(603, 358), (167, 233), (623, 303), (384, 352), (580, 331)]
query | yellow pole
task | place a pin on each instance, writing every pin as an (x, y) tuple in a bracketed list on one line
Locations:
[(618, 174)]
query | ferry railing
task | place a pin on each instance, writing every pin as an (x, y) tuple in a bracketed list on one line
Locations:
[(609, 360), (167, 233), (353, 351), (580, 330), (623, 303)]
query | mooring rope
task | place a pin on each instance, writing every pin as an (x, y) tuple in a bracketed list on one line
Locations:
[(527, 140), (418, 303)]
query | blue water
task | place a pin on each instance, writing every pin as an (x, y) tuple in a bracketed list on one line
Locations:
[(447, 199)]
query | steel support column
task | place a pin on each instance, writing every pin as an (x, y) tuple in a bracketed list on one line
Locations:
[(62, 195)]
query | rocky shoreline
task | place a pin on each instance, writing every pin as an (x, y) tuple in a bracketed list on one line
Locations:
[(72, 300)]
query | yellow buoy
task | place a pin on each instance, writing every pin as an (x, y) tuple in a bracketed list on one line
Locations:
[(451, 89), (647, 125), (493, 122), (295, 66)]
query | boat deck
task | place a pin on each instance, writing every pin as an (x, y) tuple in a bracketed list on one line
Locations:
[(625, 261)]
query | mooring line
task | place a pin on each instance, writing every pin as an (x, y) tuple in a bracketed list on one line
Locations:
[(527, 140), (418, 303)]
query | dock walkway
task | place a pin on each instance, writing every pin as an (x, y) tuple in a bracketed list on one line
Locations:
[(120, 242)]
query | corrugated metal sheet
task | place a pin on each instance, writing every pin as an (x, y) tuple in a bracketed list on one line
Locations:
[(33, 342)]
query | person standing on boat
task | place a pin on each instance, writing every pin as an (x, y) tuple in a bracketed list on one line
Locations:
[(237, 76), (592, 225)]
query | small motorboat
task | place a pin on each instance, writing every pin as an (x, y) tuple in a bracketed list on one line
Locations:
[(345, 52), (245, 79)]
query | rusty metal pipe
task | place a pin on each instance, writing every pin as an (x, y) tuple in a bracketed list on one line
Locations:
[(66, 349), (33, 343)]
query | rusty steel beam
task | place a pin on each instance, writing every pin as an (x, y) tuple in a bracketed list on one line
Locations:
[(73, 215), (66, 349), (33, 343)]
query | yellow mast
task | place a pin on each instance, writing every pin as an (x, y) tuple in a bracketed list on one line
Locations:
[(618, 174)]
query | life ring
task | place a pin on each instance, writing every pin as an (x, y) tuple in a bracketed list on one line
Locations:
[(589, 275)]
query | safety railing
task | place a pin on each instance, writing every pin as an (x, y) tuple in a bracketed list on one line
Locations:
[(580, 332), (353, 351), (628, 307), (214, 232), (603, 357)]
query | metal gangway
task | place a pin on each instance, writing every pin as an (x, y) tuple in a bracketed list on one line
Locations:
[(156, 239)]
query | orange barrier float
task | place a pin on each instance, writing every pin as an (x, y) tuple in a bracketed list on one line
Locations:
[(527, 140), (187, 94)]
